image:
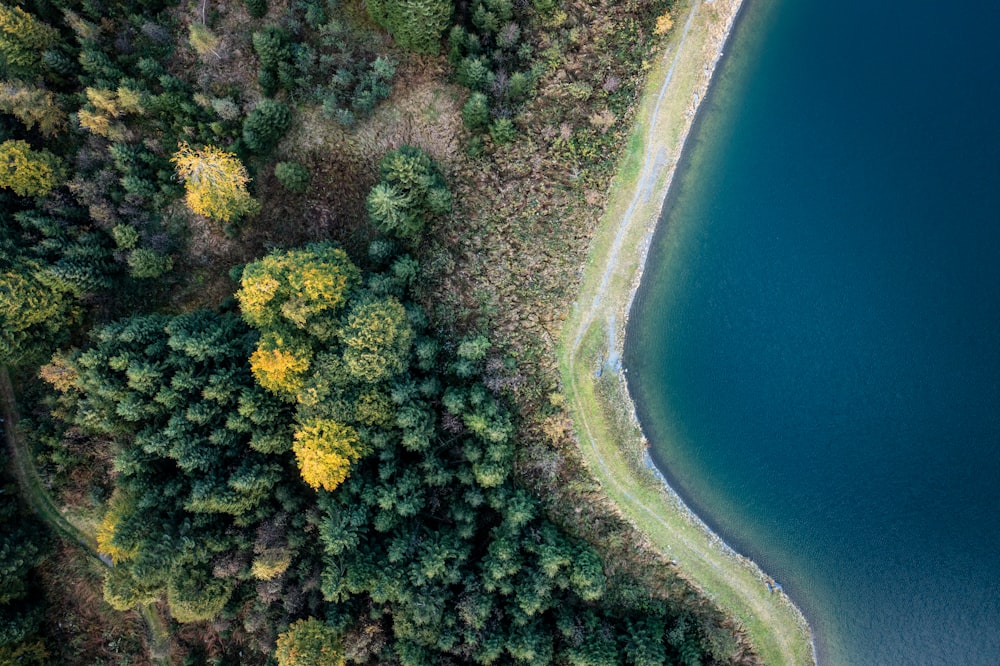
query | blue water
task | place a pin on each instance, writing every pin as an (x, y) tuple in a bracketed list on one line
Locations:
[(815, 348)]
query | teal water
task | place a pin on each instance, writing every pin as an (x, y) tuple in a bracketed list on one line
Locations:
[(815, 347)]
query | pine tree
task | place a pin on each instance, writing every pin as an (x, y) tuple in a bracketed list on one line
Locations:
[(416, 25)]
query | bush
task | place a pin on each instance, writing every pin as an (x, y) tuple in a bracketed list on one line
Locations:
[(293, 176), (271, 46), (256, 8), (146, 263), (503, 131), (476, 112), (265, 125)]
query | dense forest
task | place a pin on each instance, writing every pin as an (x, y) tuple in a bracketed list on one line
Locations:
[(280, 279)]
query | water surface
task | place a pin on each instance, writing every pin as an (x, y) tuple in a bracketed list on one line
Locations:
[(815, 349)]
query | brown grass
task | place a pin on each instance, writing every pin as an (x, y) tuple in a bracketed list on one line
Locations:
[(80, 627)]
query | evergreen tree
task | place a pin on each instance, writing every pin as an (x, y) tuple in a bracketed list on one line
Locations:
[(265, 125), (410, 192), (416, 25)]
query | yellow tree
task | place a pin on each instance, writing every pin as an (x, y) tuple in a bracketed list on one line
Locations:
[(280, 366), (298, 289), (28, 172), (32, 106), (325, 451), (23, 39), (106, 534), (216, 183), (309, 643)]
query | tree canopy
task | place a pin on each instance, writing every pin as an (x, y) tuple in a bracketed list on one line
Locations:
[(215, 182)]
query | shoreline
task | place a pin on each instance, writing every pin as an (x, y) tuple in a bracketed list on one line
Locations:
[(592, 341)]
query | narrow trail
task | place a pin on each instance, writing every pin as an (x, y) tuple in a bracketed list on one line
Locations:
[(651, 163), (604, 309), (40, 501)]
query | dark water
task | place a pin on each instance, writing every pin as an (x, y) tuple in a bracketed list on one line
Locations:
[(815, 349)]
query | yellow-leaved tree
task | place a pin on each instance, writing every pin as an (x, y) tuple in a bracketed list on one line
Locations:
[(292, 298), (106, 534), (33, 106), (298, 290), (28, 172), (325, 451), (215, 182), (309, 643), (280, 366)]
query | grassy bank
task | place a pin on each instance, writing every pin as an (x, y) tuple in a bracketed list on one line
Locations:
[(610, 438)]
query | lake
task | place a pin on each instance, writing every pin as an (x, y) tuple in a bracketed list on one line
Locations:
[(814, 350)]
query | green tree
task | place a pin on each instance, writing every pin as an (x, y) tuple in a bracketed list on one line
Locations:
[(476, 112), (33, 315), (195, 595), (256, 8), (22, 548), (410, 192), (377, 338), (146, 263), (265, 125), (416, 25)]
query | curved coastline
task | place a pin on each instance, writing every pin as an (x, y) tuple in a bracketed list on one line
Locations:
[(592, 341)]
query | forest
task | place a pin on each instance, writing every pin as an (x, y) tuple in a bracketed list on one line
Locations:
[(280, 281)]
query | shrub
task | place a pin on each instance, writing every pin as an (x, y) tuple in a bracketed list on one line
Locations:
[(256, 8), (503, 131), (146, 263), (293, 176), (476, 112)]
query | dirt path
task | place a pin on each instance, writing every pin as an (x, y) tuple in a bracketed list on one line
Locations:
[(592, 343), (40, 501)]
